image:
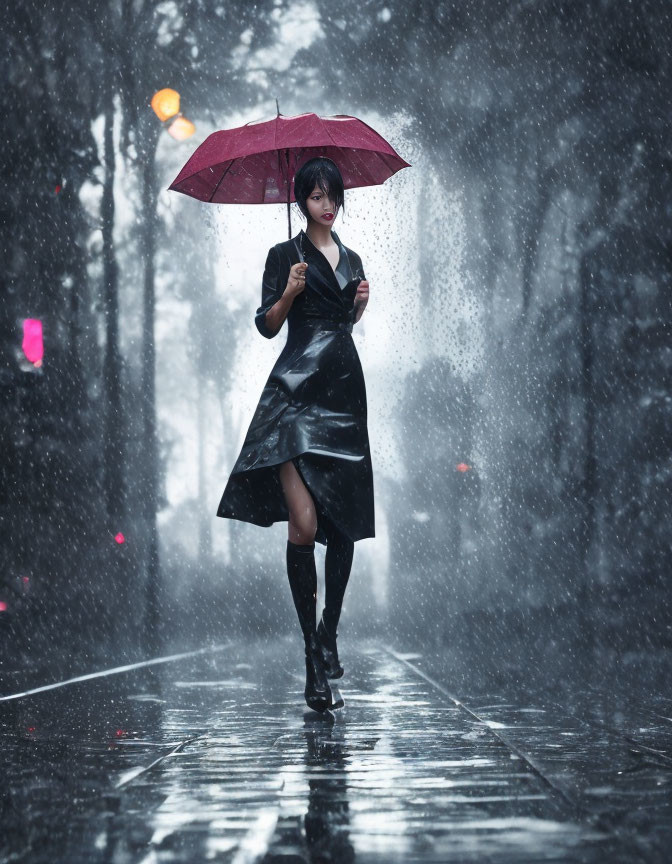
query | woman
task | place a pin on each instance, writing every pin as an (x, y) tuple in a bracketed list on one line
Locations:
[(306, 458)]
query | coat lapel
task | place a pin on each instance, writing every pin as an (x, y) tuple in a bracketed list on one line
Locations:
[(322, 270), (349, 290)]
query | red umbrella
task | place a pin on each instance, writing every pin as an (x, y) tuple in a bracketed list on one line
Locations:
[(256, 163)]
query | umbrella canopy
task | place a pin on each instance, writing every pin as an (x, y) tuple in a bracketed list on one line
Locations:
[(256, 163)]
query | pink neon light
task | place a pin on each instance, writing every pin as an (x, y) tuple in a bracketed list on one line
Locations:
[(32, 344)]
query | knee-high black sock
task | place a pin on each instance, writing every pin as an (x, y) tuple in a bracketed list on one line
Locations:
[(303, 582), (337, 566)]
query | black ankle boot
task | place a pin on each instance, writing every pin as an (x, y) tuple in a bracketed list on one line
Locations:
[(329, 651), (303, 583)]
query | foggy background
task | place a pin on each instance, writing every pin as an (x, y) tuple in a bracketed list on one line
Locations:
[(516, 345)]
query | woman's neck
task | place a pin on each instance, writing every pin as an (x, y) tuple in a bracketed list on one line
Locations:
[(319, 235)]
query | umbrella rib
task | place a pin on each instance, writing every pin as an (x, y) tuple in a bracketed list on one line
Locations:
[(219, 183), (355, 150), (326, 128)]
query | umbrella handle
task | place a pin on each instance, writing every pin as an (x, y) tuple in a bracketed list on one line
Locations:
[(299, 248), (289, 212)]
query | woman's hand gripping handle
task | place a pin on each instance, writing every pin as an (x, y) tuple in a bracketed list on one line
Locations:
[(297, 279), (296, 283)]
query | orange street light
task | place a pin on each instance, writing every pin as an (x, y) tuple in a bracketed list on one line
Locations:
[(166, 103)]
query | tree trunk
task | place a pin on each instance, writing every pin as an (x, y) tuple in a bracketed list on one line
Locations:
[(586, 529), (150, 473), (113, 457)]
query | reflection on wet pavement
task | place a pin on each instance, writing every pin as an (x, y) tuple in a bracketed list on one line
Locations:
[(215, 757)]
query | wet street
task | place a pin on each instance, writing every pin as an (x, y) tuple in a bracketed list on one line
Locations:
[(213, 756)]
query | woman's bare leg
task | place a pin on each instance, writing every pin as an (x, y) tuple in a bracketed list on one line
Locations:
[(302, 514)]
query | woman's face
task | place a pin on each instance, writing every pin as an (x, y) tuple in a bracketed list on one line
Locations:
[(320, 206)]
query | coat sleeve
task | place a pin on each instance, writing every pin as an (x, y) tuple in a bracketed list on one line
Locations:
[(273, 284)]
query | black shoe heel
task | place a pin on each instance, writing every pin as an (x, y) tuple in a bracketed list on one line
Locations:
[(317, 692), (329, 651)]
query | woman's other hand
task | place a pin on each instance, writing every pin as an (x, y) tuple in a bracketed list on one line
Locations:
[(297, 278), (361, 298)]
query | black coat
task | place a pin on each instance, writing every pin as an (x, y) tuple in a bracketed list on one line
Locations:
[(313, 406)]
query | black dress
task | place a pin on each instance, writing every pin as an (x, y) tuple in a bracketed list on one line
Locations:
[(313, 408)]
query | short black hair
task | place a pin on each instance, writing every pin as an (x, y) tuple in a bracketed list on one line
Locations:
[(323, 172)]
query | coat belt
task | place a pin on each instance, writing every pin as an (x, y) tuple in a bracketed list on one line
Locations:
[(327, 324)]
